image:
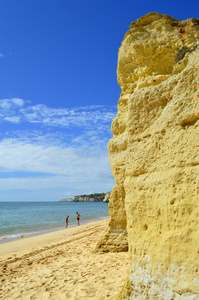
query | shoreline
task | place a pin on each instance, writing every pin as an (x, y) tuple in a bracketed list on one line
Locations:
[(24, 235), (28, 243), (62, 265), (26, 219)]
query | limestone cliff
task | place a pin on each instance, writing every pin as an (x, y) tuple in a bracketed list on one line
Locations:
[(154, 157), (97, 197), (107, 197)]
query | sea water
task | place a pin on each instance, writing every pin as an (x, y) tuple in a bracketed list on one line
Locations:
[(23, 219)]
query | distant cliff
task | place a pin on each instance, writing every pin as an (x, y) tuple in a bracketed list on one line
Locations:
[(97, 197), (155, 159)]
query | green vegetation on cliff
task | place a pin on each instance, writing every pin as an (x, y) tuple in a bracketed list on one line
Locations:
[(96, 197)]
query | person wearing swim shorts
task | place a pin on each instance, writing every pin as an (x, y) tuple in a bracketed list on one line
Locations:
[(67, 221), (78, 217)]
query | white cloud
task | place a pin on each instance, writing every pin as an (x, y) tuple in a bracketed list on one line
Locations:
[(1, 55), (62, 166), (5, 104), (12, 119), (83, 116), (80, 182), (69, 149), (12, 103), (18, 101), (27, 157), (18, 110)]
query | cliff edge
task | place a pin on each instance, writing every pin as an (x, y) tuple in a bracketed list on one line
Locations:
[(154, 155), (97, 197)]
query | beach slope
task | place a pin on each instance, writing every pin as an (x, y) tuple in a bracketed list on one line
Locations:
[(61, 265)]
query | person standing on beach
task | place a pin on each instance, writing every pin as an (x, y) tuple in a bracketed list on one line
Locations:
[(67, 221), (78, 217)]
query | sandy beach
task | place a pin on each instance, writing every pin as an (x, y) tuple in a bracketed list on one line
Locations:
[(61, 265)]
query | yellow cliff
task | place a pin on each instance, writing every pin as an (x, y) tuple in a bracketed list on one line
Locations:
[(154, 155)]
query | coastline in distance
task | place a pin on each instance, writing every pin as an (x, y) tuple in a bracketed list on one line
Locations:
[(97, 197)]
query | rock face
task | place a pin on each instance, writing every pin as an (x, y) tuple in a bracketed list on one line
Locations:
[(107, 197), (97, 197), (154, 157)]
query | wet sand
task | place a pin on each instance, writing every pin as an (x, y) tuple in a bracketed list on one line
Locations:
[(61, 265)]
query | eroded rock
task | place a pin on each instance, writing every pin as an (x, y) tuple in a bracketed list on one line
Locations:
[(154, 157)]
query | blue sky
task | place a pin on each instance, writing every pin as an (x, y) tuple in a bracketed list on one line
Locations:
[(59, 92)]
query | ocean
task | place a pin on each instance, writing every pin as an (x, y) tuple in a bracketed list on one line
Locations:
[(23, 219)]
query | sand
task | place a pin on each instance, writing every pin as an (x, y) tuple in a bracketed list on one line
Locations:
[(61, 265)]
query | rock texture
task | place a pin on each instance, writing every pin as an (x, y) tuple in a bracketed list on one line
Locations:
[(154, 157), (97, 197), (107, 197)]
